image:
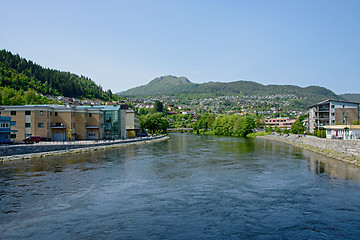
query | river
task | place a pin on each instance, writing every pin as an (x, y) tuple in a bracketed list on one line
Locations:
[(189, 187)]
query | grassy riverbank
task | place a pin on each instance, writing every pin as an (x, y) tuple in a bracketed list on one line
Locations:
[(347, 151)]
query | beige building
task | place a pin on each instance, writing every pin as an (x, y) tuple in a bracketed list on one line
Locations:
[(132, 123), (89, 123), (55, 122)]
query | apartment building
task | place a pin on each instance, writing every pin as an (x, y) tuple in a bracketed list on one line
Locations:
[(56, 122), (60, 123), (280, 122), (332, 112)]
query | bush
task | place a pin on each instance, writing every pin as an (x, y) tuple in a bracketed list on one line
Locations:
[(320, 133)]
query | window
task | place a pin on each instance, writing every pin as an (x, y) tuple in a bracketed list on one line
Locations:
[(13, 123), (50, 114), (27, 113), (55, 114), (343, 106), (90, 114), (27, 125), (12, 135), (332, 114), (13, 113), (41, 113), (332, 106), (40, 125)]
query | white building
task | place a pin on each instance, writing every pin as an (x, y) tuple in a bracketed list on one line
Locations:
[(344, 132)]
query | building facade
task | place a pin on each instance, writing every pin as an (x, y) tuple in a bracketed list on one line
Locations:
[(280, 122), (132, 123), (6, 134), (62, 123), (332, 112), (344, 132)]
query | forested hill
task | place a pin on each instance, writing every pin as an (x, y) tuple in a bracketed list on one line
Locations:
[(352, 97), (20, 74), (170, 85)]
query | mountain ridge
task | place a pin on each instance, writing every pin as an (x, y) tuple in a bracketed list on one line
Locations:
[(175, 86)]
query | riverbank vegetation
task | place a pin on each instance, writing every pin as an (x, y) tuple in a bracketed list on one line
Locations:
[(225, 125)]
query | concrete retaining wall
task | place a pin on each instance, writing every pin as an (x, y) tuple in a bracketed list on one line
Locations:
[(344, 150), (24, 151)]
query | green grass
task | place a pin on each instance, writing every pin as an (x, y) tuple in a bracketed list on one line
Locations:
[(256, 134)]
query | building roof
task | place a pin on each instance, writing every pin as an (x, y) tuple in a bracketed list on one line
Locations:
[(339, 127), (332, 100), (104, 107)]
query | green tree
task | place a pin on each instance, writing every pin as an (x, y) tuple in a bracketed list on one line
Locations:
[(277, 129), (158, 106), (155, 123), (298, 127)]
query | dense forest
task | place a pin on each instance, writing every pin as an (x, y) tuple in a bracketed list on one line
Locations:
[(18, 75)]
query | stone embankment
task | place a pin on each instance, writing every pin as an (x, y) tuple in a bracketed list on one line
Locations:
[(344, 150), (43, 149)]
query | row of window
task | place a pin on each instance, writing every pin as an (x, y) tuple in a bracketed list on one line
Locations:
[(13, 113), (4, 125)]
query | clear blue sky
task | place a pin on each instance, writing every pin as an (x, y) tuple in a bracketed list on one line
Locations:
[(124, 44)]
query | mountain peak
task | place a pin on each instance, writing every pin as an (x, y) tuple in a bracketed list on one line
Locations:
[(170, 79)]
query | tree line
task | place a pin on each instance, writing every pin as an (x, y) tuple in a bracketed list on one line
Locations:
[(20, 74)]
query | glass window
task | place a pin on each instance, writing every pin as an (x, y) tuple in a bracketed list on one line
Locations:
[(40, 125), (55, 114), (13, 113), (12, 135), (13, 123), (27, 125), (27, 113), (41, 113)]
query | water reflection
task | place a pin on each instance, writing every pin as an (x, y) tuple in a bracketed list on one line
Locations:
[(320, 164)]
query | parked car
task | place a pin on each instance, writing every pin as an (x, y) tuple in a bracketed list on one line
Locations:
[(32, 139)]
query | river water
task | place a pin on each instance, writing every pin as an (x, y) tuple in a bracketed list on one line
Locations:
[(190, 187)]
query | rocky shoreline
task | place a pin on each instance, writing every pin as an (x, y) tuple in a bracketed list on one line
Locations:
[(343, 150), (18, 152)]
